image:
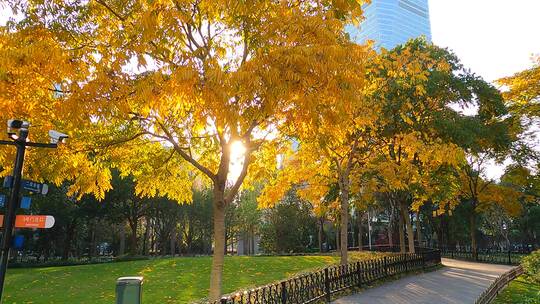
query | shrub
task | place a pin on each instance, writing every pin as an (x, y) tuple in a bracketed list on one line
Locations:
[(128, 258), (531, 265)]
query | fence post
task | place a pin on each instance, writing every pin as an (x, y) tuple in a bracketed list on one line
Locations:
[(423, 261), (359, 274), (452, 253), (385, 267), (327, 285), (406, 262), (509, 258), (283, 292)]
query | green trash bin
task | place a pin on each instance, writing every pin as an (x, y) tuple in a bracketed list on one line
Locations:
[(129, 290)]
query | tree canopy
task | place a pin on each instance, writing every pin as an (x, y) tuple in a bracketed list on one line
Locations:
[(160, 90)]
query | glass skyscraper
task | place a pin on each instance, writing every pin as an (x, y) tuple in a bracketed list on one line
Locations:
[(392, 22)]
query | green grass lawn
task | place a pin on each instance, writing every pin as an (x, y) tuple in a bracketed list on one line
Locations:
[(521, 290), (168, 280)]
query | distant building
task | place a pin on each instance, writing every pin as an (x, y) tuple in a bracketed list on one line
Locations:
[(392, 22)]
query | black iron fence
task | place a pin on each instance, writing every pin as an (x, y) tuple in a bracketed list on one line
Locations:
[(489, 294), (495, 256), (389, 248), (320, 285)]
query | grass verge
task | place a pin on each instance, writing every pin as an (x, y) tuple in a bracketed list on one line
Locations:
[(167, 280), (521, 290)]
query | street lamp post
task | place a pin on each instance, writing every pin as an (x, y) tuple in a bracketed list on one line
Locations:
[(18, 133), (369, 229)]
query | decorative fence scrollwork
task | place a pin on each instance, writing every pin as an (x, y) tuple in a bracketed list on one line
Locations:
[(320, 285)]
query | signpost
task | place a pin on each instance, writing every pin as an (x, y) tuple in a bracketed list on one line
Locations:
[(32, 221), (27, 185), (35, 187), (18, 241), (17, 131), (9, 219), (8, 181), (26, 202)]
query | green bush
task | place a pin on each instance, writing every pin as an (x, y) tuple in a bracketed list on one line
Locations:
[(56, 263), (531, 266), (128, 258)]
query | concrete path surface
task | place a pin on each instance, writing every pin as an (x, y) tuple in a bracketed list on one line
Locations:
[(459, 282)]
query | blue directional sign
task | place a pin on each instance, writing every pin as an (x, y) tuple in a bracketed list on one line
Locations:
[(2, 200), (27, 185), (8, 181), (18, 241), (26, 202), (35, 187)]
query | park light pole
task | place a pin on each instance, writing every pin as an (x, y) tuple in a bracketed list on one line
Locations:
[(17, 131)]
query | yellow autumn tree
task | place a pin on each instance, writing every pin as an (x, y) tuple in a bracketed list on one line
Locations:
[(480, 193), (524, 91), (334, 141), (161, 90), (407, 177), (364, 190), (33, 71), (316, 166), (414, 83)]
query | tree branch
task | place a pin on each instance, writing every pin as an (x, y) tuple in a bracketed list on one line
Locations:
[(185, 155), (123, 140), (234, 190), (122, 18)]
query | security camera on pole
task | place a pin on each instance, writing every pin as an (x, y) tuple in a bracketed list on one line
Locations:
[(17, 131)]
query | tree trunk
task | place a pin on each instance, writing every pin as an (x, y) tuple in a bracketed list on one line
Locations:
[(69, 240), (173, 242), (133, 237), (390, 229), (122, 248), (252, 240), (146, 240), (344, 216), (360, 232), (219, 243), (450, 241), (344, 227), (473, 234), (390, 233), (402, 247), (442, 240), (189, 237), (408, 225), (92, 252), (418, 229), (152, 242), (320, 234)]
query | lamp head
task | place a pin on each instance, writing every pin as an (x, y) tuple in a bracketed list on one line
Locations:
[(57, 137), (15, 126)]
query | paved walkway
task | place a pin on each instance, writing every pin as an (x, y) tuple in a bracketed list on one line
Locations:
[(459, 282)]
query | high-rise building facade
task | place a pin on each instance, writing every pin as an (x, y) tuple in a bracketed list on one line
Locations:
[(393, 22)]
